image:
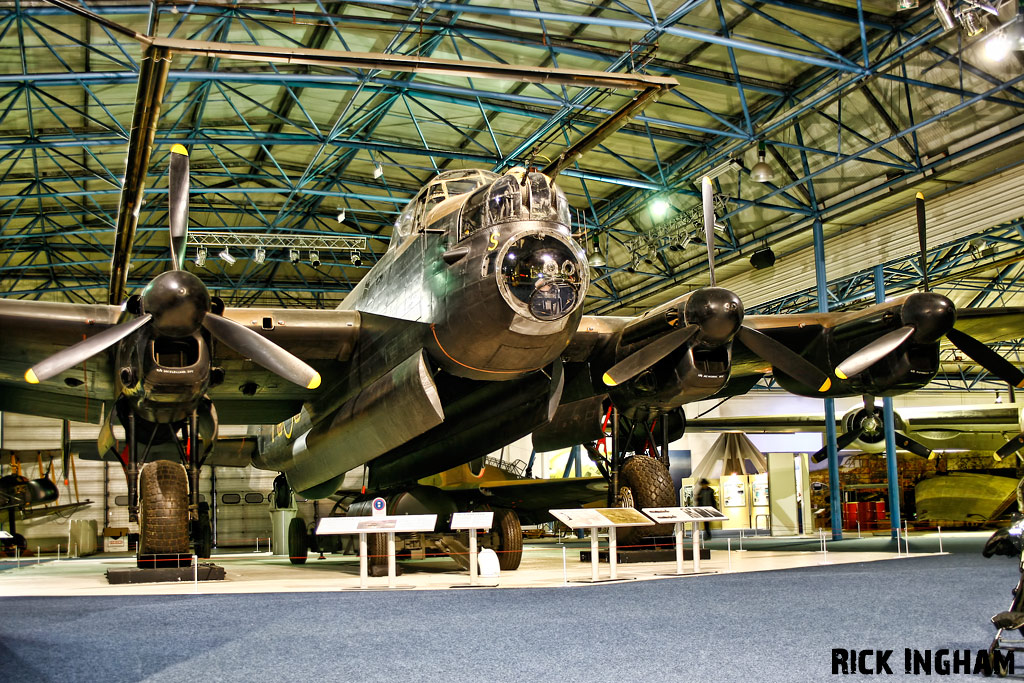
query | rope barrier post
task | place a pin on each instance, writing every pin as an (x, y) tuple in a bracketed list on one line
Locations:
[(697, 533), (472, 556), (679, 547), (613, 552), (391, 559), (362, 559), (565, 569)]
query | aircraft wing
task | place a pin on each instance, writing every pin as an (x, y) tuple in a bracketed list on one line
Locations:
[(533, 498), (35, 330)]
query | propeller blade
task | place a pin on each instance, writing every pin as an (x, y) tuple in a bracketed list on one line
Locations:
[(65, 448), (784, 358), (261, 350), (632, 365), (987, 358), (841, 442), (707, 194), (873, 352), (83, 350), (177, 203), (922, 239), (906, 443), (1011, 446)]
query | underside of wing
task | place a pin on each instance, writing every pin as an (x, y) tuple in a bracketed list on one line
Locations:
[(34, 331)]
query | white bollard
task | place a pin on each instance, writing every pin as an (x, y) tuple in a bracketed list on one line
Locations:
[(565, 573)]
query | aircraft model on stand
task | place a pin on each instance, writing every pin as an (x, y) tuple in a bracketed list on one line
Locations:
[(468, 334)]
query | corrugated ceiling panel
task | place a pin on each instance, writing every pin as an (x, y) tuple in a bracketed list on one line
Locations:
[(958, 214)]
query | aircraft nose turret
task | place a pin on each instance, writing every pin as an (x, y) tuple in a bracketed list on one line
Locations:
[(541, 275)]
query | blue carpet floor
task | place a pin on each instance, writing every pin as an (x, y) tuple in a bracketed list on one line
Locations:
[(770, 626)]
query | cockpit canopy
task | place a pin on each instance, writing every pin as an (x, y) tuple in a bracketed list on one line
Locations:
[(443, 186), (517, 195)]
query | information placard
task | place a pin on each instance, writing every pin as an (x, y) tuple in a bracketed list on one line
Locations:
[(595, 518), (472, 520), (370, 525), (671, 515)]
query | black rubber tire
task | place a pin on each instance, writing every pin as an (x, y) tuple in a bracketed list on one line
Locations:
[(163, 509), (377, 550), (644, 483), (510, 539), (298, 543), (202, 541)]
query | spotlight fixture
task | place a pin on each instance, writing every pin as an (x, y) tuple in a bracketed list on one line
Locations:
[(997, 47), (658, 208), (378, 171), (761, 172), (763, 258), (945, 17), (729, 164), (597, 258), (341, 215), (293, 255), (357, 259), (314, 259), (972, 25), (201, 257), (260, 255), (225, 255)]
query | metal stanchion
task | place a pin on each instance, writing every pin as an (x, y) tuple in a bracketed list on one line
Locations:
[(565, 572)]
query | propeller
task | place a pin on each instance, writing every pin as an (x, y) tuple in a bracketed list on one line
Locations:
[(927, 317), (714, 315), (176, 303), (1011, 446), (870, 424)]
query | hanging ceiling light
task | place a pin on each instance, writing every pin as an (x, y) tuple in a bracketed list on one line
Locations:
[(761, 172), (597, 258), (260, 255), (225, 255), (201, 257)]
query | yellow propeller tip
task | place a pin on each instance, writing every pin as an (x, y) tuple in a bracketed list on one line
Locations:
[(608, 381), (30, 377), (840, 374), (315, 382), (179, 149), (920, 195), (826, 386)]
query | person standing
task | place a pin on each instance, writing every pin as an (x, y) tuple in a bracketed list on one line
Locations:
[(706, 498)]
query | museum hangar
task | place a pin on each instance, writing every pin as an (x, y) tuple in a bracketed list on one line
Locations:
[(269, 271)]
